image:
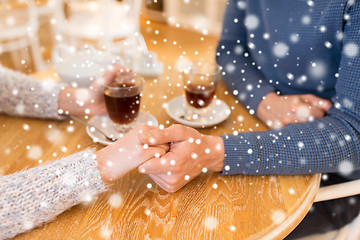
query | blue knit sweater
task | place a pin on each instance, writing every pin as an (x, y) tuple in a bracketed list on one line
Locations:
[(294, 47)]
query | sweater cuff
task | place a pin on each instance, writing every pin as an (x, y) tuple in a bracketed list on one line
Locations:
[(237, 155)]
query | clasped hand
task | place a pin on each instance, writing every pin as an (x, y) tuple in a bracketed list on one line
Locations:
[(190, 154), (171, 157)]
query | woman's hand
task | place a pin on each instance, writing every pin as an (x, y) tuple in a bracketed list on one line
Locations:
[(190, 153), (126, 154), (278, 111), (87, 101)]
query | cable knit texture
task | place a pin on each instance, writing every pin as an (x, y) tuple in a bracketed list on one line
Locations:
[(38, 195), (35, 196), (25, 96), (294, 47)]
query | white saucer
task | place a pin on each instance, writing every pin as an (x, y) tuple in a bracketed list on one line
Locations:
[(218, 111), (104, 124)]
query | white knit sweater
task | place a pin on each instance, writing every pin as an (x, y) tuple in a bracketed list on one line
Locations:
[(35, 196)]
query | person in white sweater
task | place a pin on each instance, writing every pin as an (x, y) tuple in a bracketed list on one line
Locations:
[(32, 197)]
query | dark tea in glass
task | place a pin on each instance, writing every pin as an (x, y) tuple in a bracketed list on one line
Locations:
[(200, 80), (122, 100), (199, 96), (122, 109)]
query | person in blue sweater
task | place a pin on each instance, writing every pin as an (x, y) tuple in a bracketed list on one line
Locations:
[(296, 66)]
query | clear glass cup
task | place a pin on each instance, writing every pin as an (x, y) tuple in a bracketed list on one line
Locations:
[(122, 100), (200, 80)]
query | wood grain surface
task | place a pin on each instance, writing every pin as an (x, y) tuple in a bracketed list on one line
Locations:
[(209, 207)]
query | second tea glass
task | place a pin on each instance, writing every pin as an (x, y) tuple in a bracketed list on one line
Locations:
[(200, 80)]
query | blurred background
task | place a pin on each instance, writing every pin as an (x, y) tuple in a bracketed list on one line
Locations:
[(36, 34)]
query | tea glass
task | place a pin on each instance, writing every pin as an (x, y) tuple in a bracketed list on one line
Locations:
[(122, 100), (200, 80)]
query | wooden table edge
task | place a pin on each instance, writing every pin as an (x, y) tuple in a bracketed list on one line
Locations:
[(292, 221)]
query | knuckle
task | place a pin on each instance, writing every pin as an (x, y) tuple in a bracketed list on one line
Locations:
[(177, 127), (172, 181), (143, 126)]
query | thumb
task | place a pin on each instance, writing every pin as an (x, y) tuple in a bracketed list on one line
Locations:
[(175, 133)]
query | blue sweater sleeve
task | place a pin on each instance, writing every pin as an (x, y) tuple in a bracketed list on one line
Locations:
[(330, 144), (240, 73)]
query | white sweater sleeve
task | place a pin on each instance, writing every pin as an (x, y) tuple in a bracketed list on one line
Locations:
[(22, 95), (35, 196)]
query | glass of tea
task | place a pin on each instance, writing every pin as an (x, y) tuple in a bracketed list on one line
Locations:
[(200, 80), (122, 100)]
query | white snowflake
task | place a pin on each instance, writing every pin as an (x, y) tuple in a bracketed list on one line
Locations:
[(210, 223), (346, 167), (252, 22), (35, 152), (317, 69), (278, 216), (54, 135), (306, 20), (20, 108), (238, 49), (280, 50), (241, 5), (230, 68), (294, 38), (303, 112), (327, 44), (115, 200), (105, 231)]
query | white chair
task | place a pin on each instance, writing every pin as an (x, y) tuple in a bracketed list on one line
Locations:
[(350, 231), (18, 30), (338, 191), (97, 22), (205, 16)]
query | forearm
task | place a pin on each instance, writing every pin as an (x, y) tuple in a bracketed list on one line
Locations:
[(22, 95), (325, 145), (244, 80), (240, 74), (38, 195)]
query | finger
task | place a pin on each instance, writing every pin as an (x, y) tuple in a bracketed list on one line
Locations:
[(152, 166), (175, 133), (161, 183), (316, 113), (160, 165), (306, 112), (170, 183), (321, 103), (165, 146), (145, 128)]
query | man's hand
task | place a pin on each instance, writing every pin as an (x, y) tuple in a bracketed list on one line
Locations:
[(278, 111), (190, 154)]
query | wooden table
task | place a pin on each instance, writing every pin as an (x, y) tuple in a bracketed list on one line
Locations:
[(209, 207)]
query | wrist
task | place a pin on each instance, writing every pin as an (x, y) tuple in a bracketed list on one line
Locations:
[(217, 152), (102, 166), (265, 103), (65, 101), (69, 104), (267, 98)]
